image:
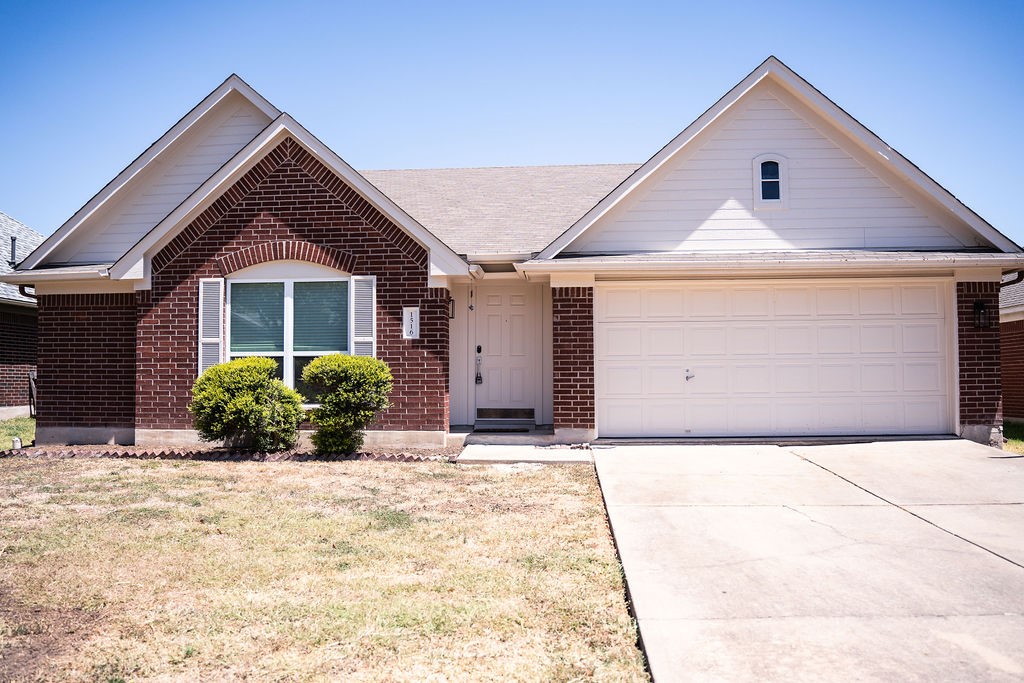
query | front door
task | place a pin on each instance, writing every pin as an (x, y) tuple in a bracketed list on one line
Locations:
[(507, 350)]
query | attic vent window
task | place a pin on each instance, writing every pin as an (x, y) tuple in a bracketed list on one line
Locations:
[(770, 182)]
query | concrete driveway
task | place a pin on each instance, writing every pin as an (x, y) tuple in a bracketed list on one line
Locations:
[(882, 561)]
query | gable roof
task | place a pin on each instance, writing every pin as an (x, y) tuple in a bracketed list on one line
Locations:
[(772, 68), (233, 84), (26, 239), (133, 263), (499, 210)]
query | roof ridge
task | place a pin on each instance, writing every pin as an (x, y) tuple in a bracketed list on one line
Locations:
[(488, 168)]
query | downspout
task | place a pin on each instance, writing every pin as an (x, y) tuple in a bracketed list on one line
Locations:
[(22, 289)]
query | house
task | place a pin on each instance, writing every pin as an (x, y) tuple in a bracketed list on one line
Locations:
[(775, 269), (1011, 342), (17, 321)]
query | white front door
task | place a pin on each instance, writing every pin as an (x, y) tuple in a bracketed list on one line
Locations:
[(507, 351)]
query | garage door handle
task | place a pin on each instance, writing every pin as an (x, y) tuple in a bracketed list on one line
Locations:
[(689, 375)]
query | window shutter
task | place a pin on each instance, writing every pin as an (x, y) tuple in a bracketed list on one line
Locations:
[(364, 315), (211, 320)]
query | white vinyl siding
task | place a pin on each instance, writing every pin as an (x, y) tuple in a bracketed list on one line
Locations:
[(160, 187), (706, 199), (773, 359)]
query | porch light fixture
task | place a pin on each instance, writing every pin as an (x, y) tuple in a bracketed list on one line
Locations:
[(982, 315), (451, 308)]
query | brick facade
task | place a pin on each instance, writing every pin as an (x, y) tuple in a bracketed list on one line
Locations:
[(1011, 344), (291, 206), (18, 333), (572, 311), (981, 406), (86, 367)]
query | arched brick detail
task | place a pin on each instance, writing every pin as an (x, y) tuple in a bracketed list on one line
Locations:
[(286, 250)]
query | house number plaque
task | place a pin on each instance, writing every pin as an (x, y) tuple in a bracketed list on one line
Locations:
[(411, 322)]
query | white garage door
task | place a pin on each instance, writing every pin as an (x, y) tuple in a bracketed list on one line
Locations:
[(854, 357)]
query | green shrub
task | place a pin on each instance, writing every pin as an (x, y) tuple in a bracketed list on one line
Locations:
[(351, 390), (244, 404)]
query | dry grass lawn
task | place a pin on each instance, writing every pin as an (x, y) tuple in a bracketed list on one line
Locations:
[(130, 570), (1014, 433)]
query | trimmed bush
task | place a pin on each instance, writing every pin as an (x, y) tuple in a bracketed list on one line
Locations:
[(243, 403), (351, 390)]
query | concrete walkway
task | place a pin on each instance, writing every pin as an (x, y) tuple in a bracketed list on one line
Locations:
[(871, 562)]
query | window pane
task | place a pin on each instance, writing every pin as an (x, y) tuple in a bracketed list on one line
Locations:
[(309, 392), (769, 170), (770, 189), (321, 316), (257, 317)]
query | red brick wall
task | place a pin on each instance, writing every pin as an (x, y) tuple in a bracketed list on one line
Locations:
[(17, 353), (980, 382), (86, 360), (1011, 343), (573, 356), (289, 196)]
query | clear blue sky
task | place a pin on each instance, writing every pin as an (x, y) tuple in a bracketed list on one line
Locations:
[(89, 85)]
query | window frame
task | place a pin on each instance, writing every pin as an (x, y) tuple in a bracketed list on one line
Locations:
[(288, 354), (760, 203)]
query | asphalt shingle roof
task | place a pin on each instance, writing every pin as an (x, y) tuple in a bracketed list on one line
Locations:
[(27, 240), (499, 210), (1012, 296)]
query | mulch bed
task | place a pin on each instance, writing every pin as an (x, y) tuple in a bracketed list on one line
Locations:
[(225, 454)]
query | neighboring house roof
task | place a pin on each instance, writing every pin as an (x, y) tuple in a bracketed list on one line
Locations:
[(26, 239), (1012, 298), (774, 71), (499, 210)]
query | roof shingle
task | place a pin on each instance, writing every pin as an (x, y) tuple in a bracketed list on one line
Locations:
[(27, 240), (499, 210)]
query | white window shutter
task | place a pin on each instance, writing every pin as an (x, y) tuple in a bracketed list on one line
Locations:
[(211, 322), (364, 315)]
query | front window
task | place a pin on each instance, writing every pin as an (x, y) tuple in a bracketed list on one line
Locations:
[(291, 321), (771, 185), (770, 189)]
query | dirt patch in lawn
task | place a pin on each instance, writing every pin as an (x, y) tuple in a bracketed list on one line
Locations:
[(115, 569)]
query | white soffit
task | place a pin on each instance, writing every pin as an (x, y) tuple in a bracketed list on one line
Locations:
[(442, 258), (233, 84), (855, 131)]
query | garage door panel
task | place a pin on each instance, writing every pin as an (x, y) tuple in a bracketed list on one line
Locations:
[(878, 301), (705, 340), (796, 378), (795, 340), (922, 337), (878, 338), (751, 302), (618, 341), (664, 379), (840, 340), (751, 379), (865, 357), (665, 340), (619, 380), (921, 300), (922, 376), (707, 379), (749, 340)]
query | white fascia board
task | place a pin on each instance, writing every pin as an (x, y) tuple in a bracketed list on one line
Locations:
[(1009, 314), (813, 98), (442, 257), (232, 84)]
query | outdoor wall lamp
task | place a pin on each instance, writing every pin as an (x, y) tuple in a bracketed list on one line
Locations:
[(451, 308), (982, 315)]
